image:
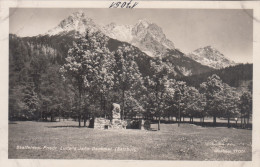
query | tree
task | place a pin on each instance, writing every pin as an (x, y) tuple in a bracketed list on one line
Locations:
[(195, 103), (157, 87), (211, 90), (17, 106), (180, 97), (38, 66), (128, 79), (103, 78), (53, 95), (229, 102), (246, 106), (171, 109), (84, 66), (132, 105)]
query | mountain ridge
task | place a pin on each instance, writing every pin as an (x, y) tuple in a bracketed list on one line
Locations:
[(211, 57), (145, 35)]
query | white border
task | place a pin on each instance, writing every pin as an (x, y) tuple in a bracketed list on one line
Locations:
[(4, 24)]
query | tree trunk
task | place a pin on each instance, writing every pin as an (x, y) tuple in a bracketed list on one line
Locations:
[(248, 120), (123, 107), (79, 104), (85, 120), (105, 108), (159, 122), (228, 122), (52, 117), (241, 120), (244, 122), (79, 118), (214, 120), (101, 105), (41, 115)]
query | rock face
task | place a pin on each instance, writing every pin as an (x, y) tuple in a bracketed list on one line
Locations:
[(210, 57), (77, 22), (145, 35)]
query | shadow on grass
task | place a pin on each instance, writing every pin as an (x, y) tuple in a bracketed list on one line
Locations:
[(12, 123), (67, 126), (220, 124), (209, 124)]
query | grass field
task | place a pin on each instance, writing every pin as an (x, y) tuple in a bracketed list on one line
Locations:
[(64, 140)]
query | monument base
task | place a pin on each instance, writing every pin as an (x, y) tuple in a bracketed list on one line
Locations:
[(118, 124), (103, 123)]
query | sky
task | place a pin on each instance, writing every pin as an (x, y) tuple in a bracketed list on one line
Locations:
[(228, 30)]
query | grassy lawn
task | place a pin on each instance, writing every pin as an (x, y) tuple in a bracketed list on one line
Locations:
[(64, 140)]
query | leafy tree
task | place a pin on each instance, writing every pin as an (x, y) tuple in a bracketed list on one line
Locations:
[(195, 103), (31, 100), (246, 106), (86, 67), (17, 106), (38, 66), (229, 102), (211, 89), (128, 79), (180, 97), (171, 109), (157, 87), (53, 95)]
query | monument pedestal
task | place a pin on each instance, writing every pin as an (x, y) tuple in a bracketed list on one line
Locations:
[(114, 123), (118, 124)]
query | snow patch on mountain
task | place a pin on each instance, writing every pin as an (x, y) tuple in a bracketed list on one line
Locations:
[(145, 35), (119, 32)]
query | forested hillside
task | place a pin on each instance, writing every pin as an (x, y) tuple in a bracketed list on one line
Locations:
[(234, 76)]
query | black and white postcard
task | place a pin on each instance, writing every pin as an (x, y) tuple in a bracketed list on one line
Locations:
[(158, 83)]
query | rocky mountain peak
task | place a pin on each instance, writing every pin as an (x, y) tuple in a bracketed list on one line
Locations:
[(211, 57), (148, 36), (78, 14), (143, 22), (77, 22), (144, 34)]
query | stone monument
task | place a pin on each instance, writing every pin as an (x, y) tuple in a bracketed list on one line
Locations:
[(116, 111), (114, 123)]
